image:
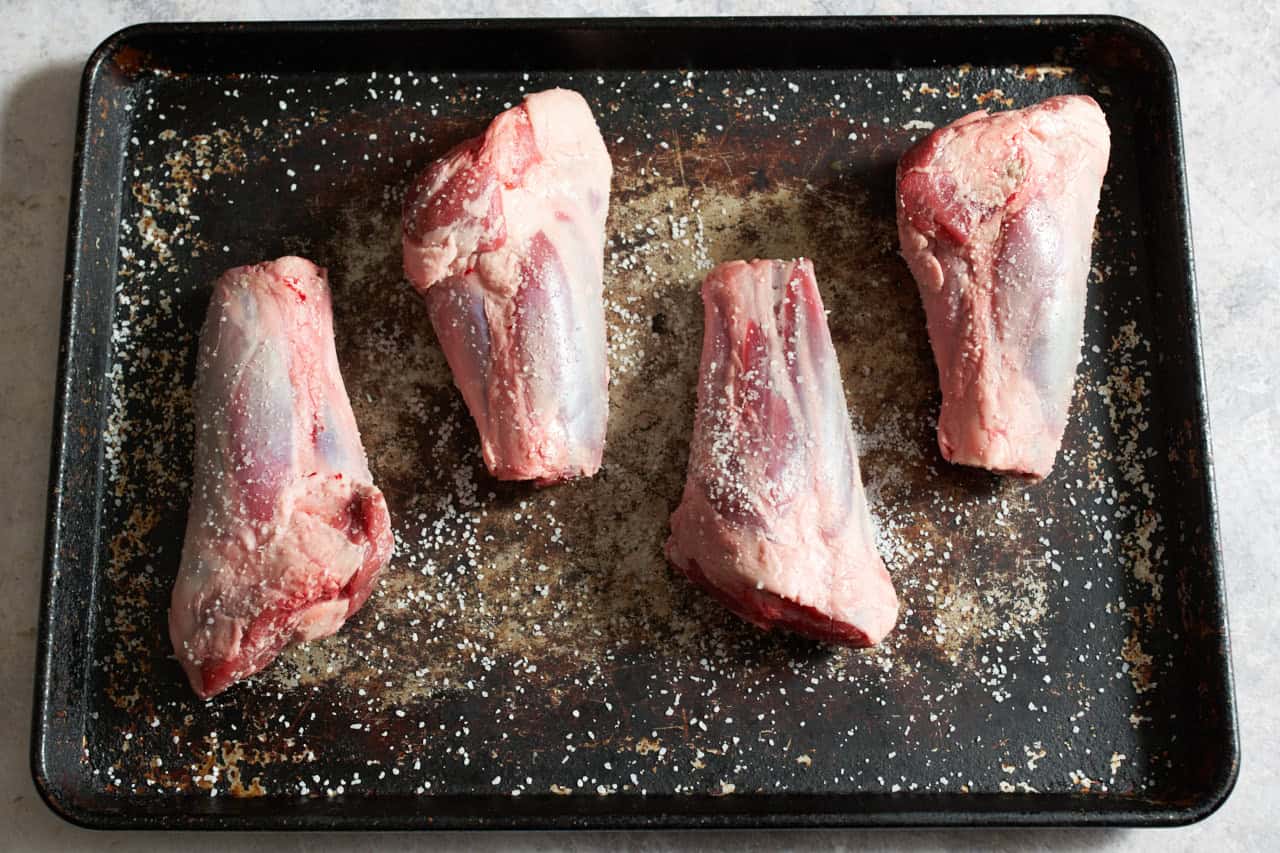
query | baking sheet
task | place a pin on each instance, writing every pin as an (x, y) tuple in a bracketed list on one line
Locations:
[(528, 658)]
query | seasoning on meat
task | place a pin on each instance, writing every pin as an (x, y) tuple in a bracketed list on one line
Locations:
[(504, 238), (774, 520), (286, 531), (995, 216)]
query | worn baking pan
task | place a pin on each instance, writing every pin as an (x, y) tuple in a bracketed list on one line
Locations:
[(528, 659)]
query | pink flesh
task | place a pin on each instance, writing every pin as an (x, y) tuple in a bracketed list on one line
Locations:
[(774, 520), (995, 216), (286, 532), (504, 237)]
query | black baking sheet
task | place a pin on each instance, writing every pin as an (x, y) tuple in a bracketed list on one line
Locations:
[(528, 659)]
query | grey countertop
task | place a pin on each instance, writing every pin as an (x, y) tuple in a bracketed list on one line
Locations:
[(1228, 56)]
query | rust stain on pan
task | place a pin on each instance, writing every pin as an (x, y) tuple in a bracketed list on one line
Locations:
[(131, 61)]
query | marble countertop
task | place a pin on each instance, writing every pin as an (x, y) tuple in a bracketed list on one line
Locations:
[(1228, 56)]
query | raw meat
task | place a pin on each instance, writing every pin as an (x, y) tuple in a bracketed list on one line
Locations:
[(504, 238), (995, 215), (774, 520), (286, 532)]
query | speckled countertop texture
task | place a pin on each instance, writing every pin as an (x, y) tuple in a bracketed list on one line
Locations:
[(1229, 74)]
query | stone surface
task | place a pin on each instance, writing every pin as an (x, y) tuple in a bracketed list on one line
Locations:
[(1230, 78)]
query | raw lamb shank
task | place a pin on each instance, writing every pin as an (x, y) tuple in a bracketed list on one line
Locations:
[(774, 521), (995, 216), (286, 532), (504, 238)]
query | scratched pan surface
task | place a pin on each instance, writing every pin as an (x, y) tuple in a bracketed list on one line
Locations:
[(528, 658)]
